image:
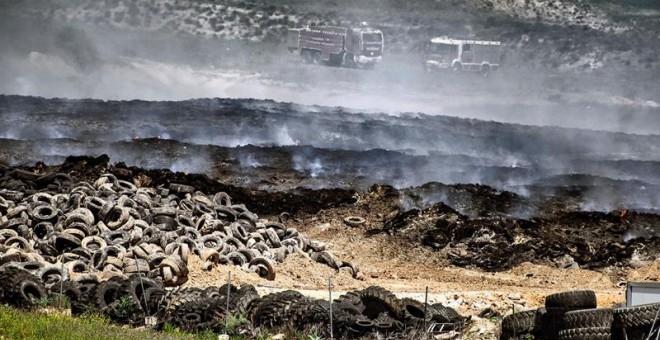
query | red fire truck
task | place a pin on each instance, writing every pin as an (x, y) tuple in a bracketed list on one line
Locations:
[(337, 46)]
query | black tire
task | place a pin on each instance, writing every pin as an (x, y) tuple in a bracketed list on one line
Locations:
[(315, 313), (223, 289), (118, 237), (551, 322), (594, 333), (353, 298), (181, 188), (106, 293), (191, 318), (70, 289), (377, 300), (244, 299), (444, 314), (86, 289), (155, 297), (165, 223), (316, 58), (328, 258), (29, 292), (588, 318), (386, 323), (519, 323), (354, 221), (238, 231), (279, 310), (138, 288), (66, 242), (415, 311), (265, 267), (273, 308), (575, 299), (485, 71), (237, 258), (52, 275), (635, 317), (23, 289), (306, 57), (44, 213)]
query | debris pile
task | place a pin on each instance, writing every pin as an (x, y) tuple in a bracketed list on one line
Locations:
[(496, 242), (60, 226), (135, 299)]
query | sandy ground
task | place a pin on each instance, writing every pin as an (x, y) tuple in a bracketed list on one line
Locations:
[(408, 272)]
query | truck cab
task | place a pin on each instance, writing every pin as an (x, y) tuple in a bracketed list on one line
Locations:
[(364, 46), (444, 53)]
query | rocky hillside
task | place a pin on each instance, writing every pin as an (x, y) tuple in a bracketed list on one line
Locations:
[(557, 34)]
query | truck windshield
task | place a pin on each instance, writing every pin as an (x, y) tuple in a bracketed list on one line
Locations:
[(372, 37), (446, 49)]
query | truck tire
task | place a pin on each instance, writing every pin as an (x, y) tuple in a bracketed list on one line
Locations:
[(378, 299), (316, 57), (588, 318), (336, 60), (573, 300), (349, 60), (636, 316), (485, 71), (518, 323), (594, 333), (306, 56)]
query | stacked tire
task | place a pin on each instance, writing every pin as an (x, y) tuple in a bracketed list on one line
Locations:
[(522, 325), (128, 300), (593, 324), (637, 322), (563, 317), (355, 314), (573, 315)]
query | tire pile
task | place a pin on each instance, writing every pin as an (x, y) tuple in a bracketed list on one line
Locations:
[(60, 228), (114, 248), (129, 300), (494, 243), (573, 315)]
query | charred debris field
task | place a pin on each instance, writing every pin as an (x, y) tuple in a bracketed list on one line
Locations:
[(186, 191), (287, 158)]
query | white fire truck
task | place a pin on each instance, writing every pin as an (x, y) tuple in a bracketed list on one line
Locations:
[(444, 53)]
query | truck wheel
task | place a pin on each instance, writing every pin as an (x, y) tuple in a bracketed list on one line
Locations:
[(307, 57), (316, 58), (426, 67), (485, 71), (349, 60)]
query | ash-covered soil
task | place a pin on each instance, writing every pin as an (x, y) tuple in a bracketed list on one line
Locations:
[(278, 146), (481, 194)]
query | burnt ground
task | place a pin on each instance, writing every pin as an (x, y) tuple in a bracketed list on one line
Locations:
[(511, 193)]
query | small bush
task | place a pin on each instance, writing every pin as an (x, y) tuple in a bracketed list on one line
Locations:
[(233, 322)]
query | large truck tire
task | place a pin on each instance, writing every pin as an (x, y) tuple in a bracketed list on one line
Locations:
[(575, 299), (594, 333), (588, 318), (516, 324)]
